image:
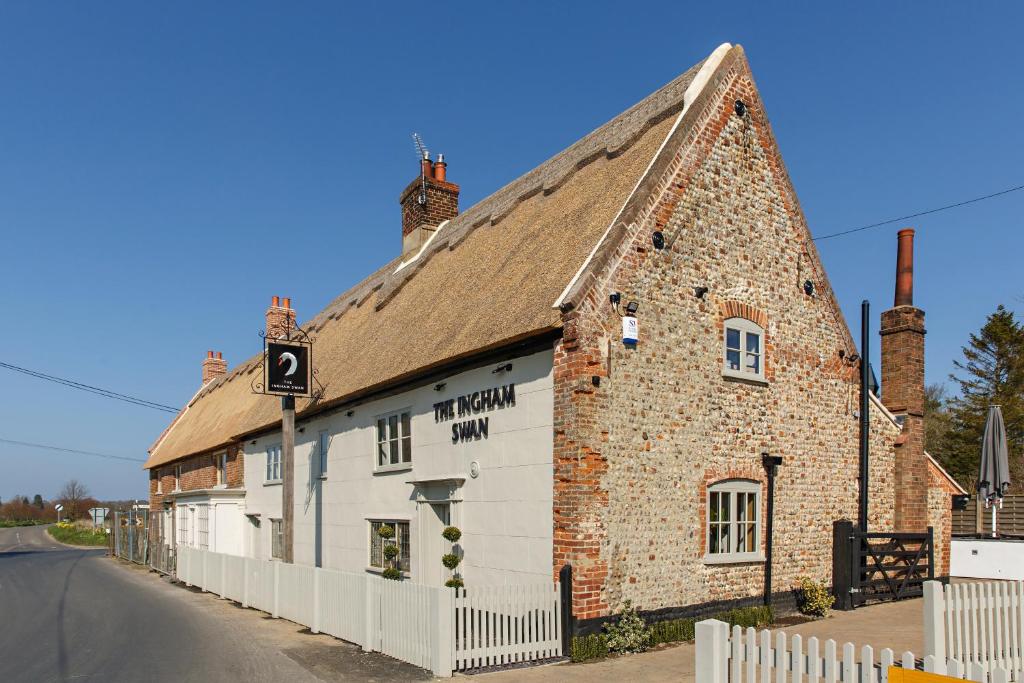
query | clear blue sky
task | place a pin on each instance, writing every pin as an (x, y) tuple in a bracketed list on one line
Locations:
[(152, 156)]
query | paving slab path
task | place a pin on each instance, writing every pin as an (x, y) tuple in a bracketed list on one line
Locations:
[(897, 625)]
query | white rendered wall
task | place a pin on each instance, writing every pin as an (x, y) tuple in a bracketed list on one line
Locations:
[(987, 559), (262, 500), (505, 513)]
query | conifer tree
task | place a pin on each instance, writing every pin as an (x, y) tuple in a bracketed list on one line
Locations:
[(991, 373)]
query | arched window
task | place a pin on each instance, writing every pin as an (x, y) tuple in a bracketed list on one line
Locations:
[(743, 349), (733, 521)]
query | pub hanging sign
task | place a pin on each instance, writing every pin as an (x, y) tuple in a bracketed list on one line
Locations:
[(288, 368)]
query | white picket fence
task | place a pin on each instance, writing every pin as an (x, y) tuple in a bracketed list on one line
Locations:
[(724, 657), (507, 625), (432, 627), (976, 623)]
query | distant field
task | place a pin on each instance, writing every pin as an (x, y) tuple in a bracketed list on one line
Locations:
[(73, 535), (7, 523)]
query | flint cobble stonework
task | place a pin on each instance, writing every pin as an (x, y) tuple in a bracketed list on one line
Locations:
[(641, 432)]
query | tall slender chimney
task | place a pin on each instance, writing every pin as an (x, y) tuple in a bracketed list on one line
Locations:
[(214, 366), (427, 201), (280, 318), (902, 332)]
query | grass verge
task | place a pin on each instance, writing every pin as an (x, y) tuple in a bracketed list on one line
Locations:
[(8, 523), (73, 535)]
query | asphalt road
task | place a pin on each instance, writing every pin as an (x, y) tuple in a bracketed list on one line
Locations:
[(76, 615)]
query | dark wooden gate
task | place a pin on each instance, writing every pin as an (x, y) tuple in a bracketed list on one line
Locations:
[(878, 567)]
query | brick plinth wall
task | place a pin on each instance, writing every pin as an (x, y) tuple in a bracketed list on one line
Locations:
[(902, 334), (640, 432)]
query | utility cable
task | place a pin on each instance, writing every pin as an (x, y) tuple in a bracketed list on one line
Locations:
[(69, 450), (91, 389), (916, 215)]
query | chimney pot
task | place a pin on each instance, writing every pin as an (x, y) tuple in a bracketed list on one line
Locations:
[(209, 354), (904, 268), (220, 356), (439, 168), (426, 167), (275, 301), (287, 302)]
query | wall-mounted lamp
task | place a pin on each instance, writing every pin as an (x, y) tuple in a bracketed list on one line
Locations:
[(699, 292), (631, 308), (504, 367), (658, 239), (808, 288), (302, 430), (440, 386), (350, 413), (740, 108)]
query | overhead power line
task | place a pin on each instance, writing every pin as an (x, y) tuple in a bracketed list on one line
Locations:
[(91, 389), (69, 450), (922, 213)]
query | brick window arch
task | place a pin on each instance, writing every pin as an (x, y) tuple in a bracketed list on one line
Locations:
[(744, 332)]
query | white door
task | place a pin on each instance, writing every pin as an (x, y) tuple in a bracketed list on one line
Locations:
[(434, 517)]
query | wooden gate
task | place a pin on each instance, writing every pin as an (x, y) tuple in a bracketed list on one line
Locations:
[(878, 567)]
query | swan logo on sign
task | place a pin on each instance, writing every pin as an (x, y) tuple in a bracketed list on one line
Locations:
[(288, 368), (629, 330)]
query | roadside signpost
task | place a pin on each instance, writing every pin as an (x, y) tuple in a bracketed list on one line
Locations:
[(58, 507)]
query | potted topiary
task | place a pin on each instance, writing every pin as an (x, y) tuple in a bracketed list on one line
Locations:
[(451, 560), (391, 551)]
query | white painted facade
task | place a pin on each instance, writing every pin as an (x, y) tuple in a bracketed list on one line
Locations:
[(208, 519), (504, 512)]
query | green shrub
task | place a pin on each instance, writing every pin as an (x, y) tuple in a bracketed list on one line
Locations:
[(450, 560), (593, 646), (391, 551), (629, 633), (813, 597), (672, 631), (455, 582), (392, 573), (451, 534), (386, 531)]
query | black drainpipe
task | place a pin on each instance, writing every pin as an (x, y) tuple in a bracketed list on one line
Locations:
[(771, 464), (865, 423)]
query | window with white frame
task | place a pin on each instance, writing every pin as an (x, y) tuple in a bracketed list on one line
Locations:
[(734, 515), (743, 349), (221, 460), (274, 463), (277, 539), (182, 525), (400, 538), (394, 440), (203, 526), (323, 446)]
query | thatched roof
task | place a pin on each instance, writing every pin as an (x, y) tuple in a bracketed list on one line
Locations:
[(489, 278)]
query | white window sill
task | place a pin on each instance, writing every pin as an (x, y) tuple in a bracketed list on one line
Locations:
[(322, 477), (273, 482), (750, 377), (733, 558), (386, 469)]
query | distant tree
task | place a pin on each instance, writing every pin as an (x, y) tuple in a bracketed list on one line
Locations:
[(72, 496), (37, 500), (991, 373), (937, 421)]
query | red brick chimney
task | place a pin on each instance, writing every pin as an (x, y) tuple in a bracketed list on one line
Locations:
[(903, 333), (214, 366), (280, 318), (428, 201)]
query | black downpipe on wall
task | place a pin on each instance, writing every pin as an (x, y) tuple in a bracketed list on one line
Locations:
[(568, 621), (865, 423), (771, 464)]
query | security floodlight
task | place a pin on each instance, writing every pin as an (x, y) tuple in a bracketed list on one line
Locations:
[(632, 307)]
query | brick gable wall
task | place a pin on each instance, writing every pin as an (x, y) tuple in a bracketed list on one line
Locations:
[(640, 432)]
